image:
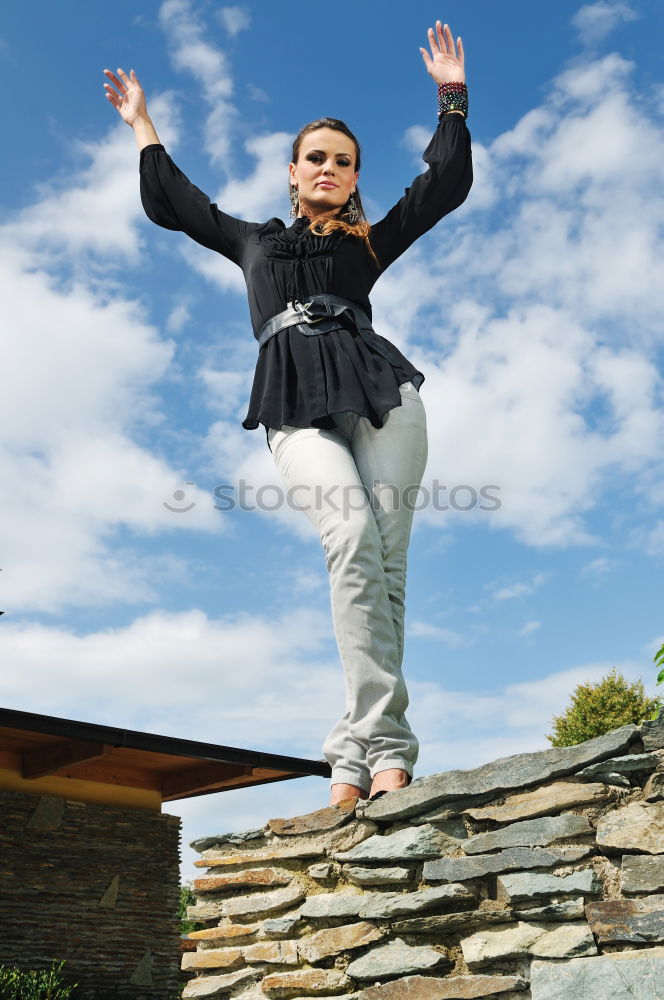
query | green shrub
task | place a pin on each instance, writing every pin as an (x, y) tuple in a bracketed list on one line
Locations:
[(16, 984), (187, 898), (598, 708)]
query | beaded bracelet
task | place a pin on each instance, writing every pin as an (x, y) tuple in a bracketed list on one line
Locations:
[(452, 97)]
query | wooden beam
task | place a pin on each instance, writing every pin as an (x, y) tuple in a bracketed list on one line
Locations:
[(81, 791), (48, 760), (176, 784), (243, 781)]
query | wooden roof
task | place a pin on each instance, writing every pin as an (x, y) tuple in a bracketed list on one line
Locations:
[(34, 747)]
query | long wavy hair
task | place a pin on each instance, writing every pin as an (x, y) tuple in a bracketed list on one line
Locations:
[(362, 227)]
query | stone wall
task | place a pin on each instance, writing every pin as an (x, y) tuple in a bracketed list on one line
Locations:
[(96, 886), (538, 875)]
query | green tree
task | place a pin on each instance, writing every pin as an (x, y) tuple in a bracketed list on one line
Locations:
[(187, 898), (598, 708), (658, 660)]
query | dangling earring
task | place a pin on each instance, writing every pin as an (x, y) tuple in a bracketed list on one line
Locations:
[(294, 201), (352, 210)]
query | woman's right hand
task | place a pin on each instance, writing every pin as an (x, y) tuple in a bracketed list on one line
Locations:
[(129, 98)]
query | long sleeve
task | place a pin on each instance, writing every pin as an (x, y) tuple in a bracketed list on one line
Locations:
[(172, 201), (432, 195)]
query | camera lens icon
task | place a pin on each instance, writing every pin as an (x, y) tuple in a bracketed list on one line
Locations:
[(180, 497)]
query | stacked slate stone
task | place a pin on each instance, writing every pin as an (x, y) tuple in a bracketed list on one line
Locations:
[(538, 875)]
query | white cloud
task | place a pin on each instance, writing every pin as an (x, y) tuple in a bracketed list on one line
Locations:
[(537, 321), (649, 538), (424, 630), (598, 567), (507, 592), (178, 318), (90, 209), (208, 64), (234, 19), (258, 94), (529, 627), (77, 384), (595, 21), (254, 197), (168, 659)]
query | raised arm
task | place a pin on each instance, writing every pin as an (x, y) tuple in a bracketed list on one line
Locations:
[(168, 196), (446, 183)]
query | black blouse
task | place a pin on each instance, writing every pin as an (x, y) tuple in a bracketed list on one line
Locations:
[(300, 380)]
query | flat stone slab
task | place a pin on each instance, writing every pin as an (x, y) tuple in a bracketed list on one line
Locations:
[(262, 902), (608, 777), (305, 847), (451, 988), (512, 887), (642, 873), (451, 809), (652, 732), (333, 904), (543, 801), (653, 790), (630, 763), (441, 923), (328, 818), (212, 958), (321, 871), (385, 905), (529, 833), (568, 909), (334, 940), (569, 940), (272, 953), (627, 921), (500, 775), (315, 982), (512, 859), (414, 843), (638, 826), (394, 959), (378, 876), (204, 843), (228, 933), (278, 927), (217, 986), (247, 878), (629, 975)]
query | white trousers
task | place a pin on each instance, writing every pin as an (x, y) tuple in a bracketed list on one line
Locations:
[(358, 484)]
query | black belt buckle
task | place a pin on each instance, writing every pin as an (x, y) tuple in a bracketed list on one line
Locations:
[(309, 309)]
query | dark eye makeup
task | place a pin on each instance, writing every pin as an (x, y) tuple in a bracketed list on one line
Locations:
[(317, 157)]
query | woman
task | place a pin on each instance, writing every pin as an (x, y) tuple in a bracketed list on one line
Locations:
[(340, 404)]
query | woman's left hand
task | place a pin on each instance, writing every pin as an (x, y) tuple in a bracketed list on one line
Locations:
[(444, 65)]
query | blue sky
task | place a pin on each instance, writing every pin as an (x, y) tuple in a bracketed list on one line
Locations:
[(534, 311)]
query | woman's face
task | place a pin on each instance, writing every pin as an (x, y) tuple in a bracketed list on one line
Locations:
[(324, 174)]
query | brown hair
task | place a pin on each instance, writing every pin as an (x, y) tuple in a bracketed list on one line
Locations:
[(362, 228)]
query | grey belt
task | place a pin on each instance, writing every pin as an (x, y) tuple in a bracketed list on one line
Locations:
[(318, 315)]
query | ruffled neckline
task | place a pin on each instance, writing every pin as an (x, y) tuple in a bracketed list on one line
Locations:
[(302, 222)]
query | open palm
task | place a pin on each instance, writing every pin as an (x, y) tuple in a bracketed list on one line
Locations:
[(446, 63), (129, 99)]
